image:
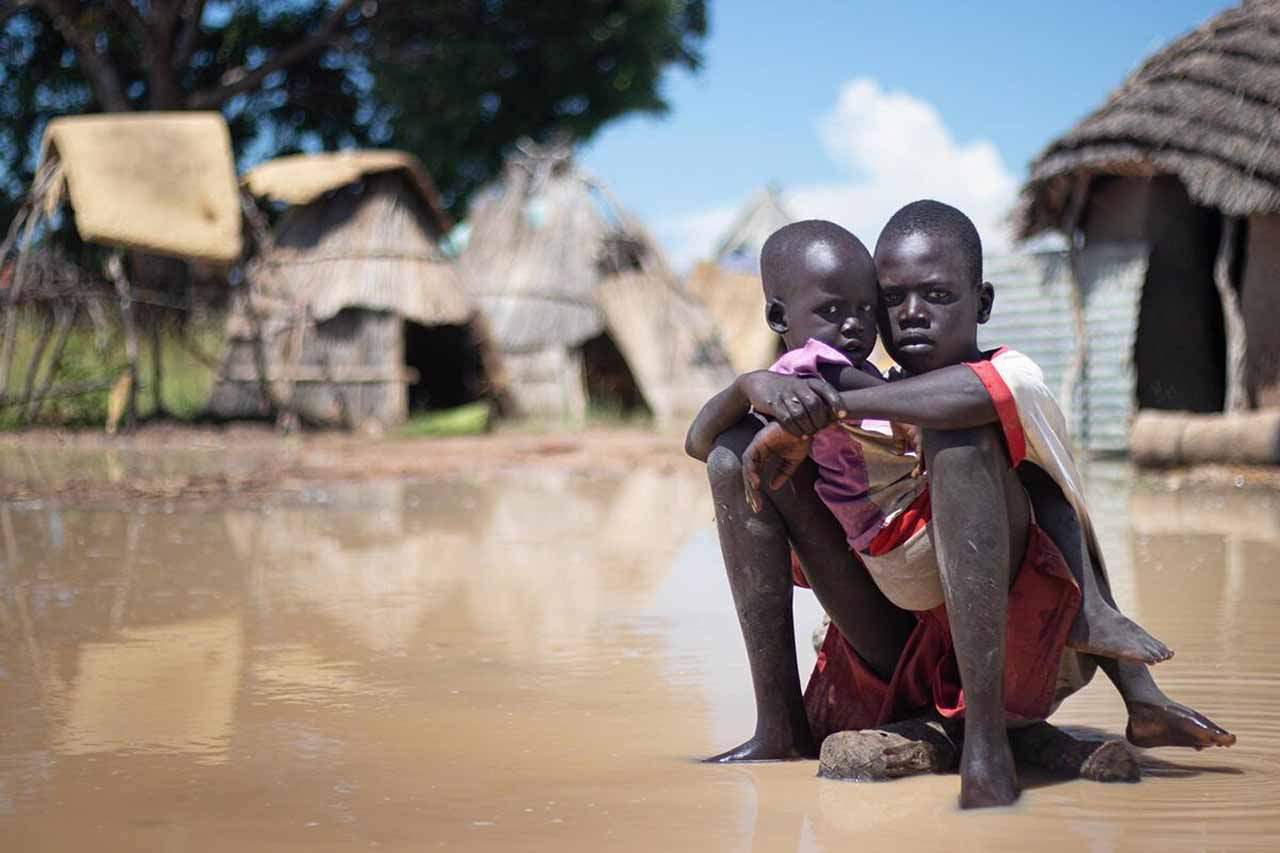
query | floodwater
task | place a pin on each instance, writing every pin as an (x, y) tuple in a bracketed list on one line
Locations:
[(534, 663)]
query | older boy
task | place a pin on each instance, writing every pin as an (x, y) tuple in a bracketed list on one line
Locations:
[(987, 419)]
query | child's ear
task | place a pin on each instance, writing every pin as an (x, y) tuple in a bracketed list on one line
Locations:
[(986, 298), (775, 314)]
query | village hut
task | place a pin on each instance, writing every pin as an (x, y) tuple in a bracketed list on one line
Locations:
[(729, 283), (580, 300), (1177, 176), (160, 186), (352, 315)]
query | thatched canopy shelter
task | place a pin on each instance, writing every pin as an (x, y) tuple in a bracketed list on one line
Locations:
[(1185, 157), (159, 186), (159, 182), (353, 309), (580, 299)]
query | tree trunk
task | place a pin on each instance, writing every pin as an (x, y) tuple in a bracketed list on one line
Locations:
[(1237, 339)]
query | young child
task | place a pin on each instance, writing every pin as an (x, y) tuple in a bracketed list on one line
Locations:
[(995, 445)]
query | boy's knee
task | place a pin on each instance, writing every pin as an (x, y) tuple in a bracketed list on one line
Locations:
[(724, 468)]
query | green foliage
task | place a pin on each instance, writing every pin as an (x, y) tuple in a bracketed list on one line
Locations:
[(88, 361), (471, 419), (454, 81), (463, 80)]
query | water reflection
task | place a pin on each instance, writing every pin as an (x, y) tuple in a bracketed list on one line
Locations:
[(531, 664)]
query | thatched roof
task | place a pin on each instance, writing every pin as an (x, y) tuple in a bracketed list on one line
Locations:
[(539, 244), (159, 182), (553, 261), (367, 245), (739, 247), (303, 178), (1206, 109)]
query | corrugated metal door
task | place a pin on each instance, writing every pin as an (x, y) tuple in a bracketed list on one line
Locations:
[(1032, 314)]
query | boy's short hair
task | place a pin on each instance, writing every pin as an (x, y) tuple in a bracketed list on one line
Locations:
[(788, 244), (933, 217)]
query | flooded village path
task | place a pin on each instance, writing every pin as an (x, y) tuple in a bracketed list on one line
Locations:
[(526, 655)]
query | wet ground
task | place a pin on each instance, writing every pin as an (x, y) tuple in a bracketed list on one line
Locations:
[(532, 661)]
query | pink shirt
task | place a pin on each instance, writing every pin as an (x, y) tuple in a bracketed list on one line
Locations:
[(862, 477)]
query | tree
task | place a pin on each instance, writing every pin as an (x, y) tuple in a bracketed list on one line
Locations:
[(454, 81)]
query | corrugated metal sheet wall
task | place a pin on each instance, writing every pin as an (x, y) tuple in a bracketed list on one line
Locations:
[(1032, 314)]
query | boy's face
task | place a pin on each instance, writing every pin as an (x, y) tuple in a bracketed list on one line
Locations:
[(832, 303), (930, 305)]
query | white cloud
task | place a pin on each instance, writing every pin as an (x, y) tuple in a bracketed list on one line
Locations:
[(894, 148)]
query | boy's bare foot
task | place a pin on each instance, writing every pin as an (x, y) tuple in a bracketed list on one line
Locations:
[(1106, 632), (1171, 724), (987, 774), (762, 749)]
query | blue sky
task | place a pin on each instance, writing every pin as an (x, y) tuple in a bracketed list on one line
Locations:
[(857, 107)]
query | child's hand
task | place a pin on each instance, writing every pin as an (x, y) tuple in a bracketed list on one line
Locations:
[(801, 406), (906, 438), (774, 453)]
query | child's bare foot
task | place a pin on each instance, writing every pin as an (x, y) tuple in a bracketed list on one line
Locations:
[(1171, 724), (759, 748), (1104, 631), (987, 774)]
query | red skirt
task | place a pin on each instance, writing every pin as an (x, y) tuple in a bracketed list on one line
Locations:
[(845, 694)]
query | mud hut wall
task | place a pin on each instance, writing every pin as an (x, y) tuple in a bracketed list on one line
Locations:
[(1180, 352), (351, 370), (1260, 303), (354, 338), (548, 384)]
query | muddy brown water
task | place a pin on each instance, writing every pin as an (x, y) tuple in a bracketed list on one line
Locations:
[(534, 663)]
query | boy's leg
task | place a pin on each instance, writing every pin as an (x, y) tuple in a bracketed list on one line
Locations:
[(1154, 718), (1100, 628), (757, 558), (980, 528)]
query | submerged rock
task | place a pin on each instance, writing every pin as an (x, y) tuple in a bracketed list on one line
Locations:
[(908, 748)]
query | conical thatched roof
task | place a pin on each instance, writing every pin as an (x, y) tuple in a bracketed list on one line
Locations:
[(739, 247), (552, 261), (539, 243), (368, 244), (1206, 109)]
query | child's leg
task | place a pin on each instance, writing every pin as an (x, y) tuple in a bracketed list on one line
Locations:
[(980, 526), (757, 557), (1154, 718), (1100, 628)]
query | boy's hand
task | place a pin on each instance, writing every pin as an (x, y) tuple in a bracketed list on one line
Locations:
[(774, 454), (906, 438), (802, 406)]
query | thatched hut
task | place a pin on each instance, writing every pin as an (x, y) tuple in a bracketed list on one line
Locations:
[(729, 283), (351, 310), (579, 299), (1184, 158)]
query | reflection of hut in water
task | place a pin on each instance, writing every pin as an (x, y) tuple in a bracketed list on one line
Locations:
[(356, 314), (729, 284), (1183, 161), (579, 299)]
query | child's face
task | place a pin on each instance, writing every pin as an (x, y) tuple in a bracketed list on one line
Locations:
[(930, 305), (837, 308)]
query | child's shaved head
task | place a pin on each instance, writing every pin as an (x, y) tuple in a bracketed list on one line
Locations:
[(798, 251), (942, 222), (820, 284)]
